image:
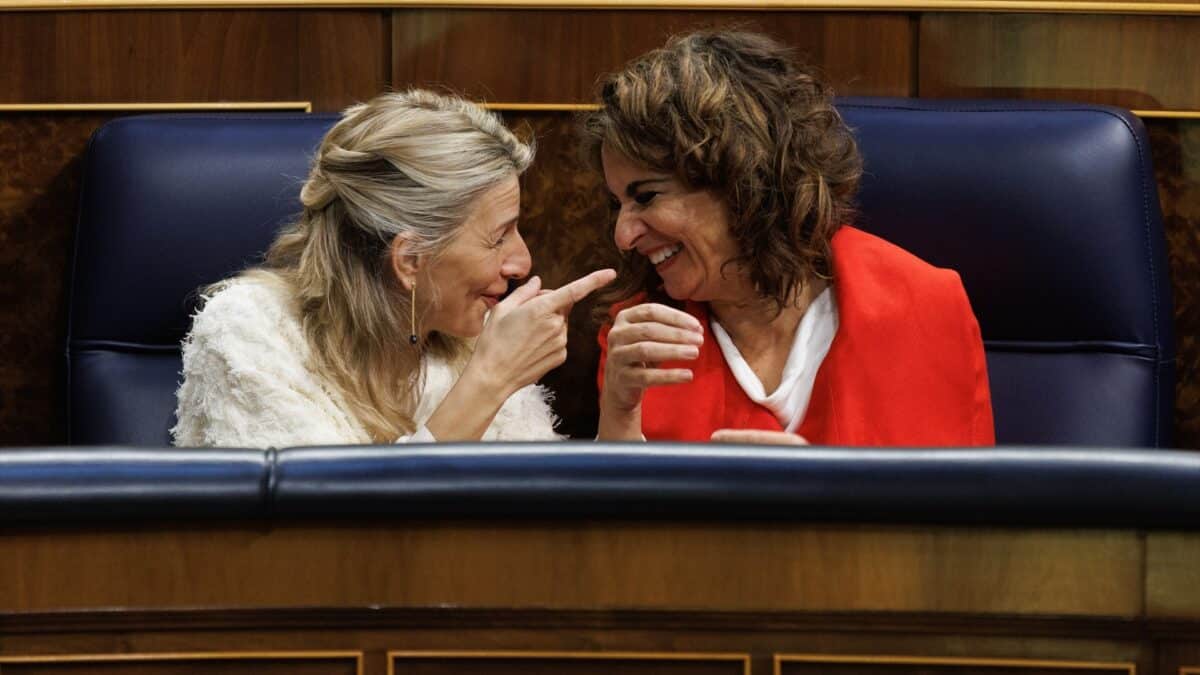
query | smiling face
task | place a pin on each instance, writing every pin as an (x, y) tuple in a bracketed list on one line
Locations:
[(472, 273), (684, 233)]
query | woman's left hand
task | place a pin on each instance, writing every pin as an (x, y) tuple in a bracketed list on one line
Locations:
[(757, 437)]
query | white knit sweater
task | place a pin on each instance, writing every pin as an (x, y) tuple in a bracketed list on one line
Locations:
[(247, 382)]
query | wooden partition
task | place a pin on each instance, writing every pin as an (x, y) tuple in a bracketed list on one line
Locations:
[(735, 598)]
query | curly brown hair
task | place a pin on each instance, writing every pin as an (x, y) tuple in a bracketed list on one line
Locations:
[(737, 113)]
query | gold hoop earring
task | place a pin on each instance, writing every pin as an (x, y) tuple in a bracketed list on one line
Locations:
[(412, 315)]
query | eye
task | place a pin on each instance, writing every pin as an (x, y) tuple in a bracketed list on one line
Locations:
[(614, 204), (644, 198)]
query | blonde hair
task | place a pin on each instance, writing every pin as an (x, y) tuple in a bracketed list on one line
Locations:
[(405, 164)]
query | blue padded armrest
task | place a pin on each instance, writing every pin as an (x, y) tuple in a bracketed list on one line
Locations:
[(1031, 486), (106, 483)]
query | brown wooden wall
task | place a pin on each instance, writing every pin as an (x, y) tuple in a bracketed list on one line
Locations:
[(332, 58)]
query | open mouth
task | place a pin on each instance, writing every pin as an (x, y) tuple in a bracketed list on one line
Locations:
[(664, 254)]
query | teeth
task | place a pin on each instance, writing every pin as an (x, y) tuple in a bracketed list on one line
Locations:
[(662, 254)]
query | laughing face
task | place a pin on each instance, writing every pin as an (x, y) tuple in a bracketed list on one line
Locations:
[(473, 272), (684, 233)]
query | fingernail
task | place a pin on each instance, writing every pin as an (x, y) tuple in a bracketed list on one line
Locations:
[(692, 352)]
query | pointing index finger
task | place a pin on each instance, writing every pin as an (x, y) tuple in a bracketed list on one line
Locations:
[(566, 296)]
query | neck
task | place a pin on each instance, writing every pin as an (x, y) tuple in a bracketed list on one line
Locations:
[(757, 324)]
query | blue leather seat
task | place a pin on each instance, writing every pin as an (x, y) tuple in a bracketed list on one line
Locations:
[(1048, 211)]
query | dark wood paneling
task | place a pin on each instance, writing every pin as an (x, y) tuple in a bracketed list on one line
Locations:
[(344, 57), (1176, 148), (331, 58), (556, 56), (231, 666), (659, 565), (39, 186), (1131, 61), (151, 56), (1172, 576)]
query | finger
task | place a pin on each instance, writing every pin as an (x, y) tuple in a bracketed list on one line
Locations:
[(577, 290), (757, 437), (523, 293), (644, 378), (653, 311), (653, 352), (652, 331)]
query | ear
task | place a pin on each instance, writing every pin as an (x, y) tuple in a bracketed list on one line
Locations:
[(405, 265)]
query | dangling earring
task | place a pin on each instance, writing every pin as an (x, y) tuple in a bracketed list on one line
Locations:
[(412, 315)]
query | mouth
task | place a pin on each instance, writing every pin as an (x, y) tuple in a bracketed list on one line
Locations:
[(661, 255), (490, 300)]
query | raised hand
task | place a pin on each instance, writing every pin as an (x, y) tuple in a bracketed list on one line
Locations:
[(526, 334), (641, 337)]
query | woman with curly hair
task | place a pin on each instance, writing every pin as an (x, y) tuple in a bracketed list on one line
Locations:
[(748, 309)]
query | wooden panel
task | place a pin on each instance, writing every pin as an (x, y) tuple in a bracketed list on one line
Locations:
[(150, 56), (1179, 657), (733, 566), (556, 55), (1176, 148), (39, 186), (1172, 575), (534, 663), (896, 665), (344, 57), (1142, 62), (331, 58)]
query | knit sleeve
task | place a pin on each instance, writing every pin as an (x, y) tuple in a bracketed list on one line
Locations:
[(246, 383)]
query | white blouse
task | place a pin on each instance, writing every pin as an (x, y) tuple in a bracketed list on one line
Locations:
[(814, 335), (247, 382)]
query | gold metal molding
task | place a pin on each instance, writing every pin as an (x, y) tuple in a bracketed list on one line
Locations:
[(1168, 114), (897, 660), (206, 106), (577, 107), (1055, 6), (357, 656), (393, 656), (1189, 670)]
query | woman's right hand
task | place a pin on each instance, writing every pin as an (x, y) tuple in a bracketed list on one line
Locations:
[(526, 334), (641, 337)]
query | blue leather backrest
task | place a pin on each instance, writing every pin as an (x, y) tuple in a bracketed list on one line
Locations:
[(1048, 212), (170, 203)]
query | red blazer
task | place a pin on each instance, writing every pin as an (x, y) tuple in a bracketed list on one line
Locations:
[(906, 367)]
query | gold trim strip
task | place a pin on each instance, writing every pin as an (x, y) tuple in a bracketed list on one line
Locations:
[(298, 106), (890, 659), (393, 655), (189, 656), (541, 107), (1168, 114), (1090, 6), (1189, 670)]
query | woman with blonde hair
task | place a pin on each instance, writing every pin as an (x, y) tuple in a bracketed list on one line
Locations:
[(748, 299), (378, 315)]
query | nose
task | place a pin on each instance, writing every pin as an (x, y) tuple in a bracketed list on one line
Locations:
[(628, 230), (517, 262)]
